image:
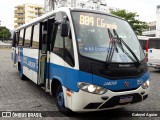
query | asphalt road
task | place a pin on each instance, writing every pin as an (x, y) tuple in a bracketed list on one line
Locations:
[(18, 95)]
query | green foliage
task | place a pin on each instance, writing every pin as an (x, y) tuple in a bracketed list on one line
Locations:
[(131, 18), (4, 33)]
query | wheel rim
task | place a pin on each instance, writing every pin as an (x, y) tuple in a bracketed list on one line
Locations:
[(60, 99)]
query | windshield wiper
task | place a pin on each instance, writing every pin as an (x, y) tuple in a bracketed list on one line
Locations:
[(121, 41), (112, 47)]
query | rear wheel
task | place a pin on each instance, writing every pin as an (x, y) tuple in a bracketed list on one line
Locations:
[(60, 102)]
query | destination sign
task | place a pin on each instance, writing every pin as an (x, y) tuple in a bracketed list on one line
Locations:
[(95, 21)]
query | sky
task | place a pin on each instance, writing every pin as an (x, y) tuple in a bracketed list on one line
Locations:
[(146, 9)]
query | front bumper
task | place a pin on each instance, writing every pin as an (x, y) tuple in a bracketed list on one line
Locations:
[(84, 101)]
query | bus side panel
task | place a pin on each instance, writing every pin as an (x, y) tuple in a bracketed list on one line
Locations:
[(57, 69), (30, 63)]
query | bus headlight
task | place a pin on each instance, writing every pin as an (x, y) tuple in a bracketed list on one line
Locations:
[(146, 84), (94, 89)]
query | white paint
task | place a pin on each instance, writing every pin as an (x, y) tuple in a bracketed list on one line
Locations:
[(81, 99), (33, 53)]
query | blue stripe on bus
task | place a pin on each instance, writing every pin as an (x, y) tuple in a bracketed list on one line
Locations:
[(30, 63), (21, 58), (70, 77)]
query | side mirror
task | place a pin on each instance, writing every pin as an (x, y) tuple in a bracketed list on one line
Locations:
[(64, 29)]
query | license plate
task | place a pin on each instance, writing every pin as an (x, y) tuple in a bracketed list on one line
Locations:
[(127, 99)]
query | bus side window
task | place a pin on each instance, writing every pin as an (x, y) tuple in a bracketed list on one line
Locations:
[(58, 42), (21, 37), (17, 38), (35, 40), (69, 53), (58, 46), (28, 36), (14, 40)]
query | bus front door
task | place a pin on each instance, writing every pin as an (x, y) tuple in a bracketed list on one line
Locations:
[(42, 55)]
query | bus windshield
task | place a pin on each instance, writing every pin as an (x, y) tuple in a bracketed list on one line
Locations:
[(91, 32)]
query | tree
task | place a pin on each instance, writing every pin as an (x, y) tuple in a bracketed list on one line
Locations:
[(131, 18), (4, 33)]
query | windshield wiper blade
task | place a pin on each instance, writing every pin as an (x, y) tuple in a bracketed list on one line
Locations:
[(112, 47), (117, 36), (120, 40)]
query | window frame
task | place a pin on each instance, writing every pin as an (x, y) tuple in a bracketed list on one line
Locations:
[(22, 37), (53, 38), (30, 36), (33, 30)]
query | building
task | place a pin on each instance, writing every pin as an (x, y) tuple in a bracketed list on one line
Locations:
[(154, 27), (151, 29), (88, 4), (158, 21), (25, 13)]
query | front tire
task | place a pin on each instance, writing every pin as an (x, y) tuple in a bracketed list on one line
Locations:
[(60, 102)]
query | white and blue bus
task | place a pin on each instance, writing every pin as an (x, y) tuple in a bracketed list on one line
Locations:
[(89, 60)]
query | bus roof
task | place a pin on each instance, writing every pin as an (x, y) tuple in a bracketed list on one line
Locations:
[(49, 14)]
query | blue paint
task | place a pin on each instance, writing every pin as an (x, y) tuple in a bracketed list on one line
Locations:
[(69, 78), (57, 72), (21, 58), (30, 63), (120, 84)]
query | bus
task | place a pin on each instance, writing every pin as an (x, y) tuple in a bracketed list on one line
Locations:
[(151, 47), (89, 60)]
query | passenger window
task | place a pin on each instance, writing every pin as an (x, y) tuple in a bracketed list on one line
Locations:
[(17, 38), (21, 36), (14, 40), (35, 41), (58, 44), (58, 47), (28, 36), (69, 50)]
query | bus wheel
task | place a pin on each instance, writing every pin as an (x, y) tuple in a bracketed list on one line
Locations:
[(60, 102), (22, 76)]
